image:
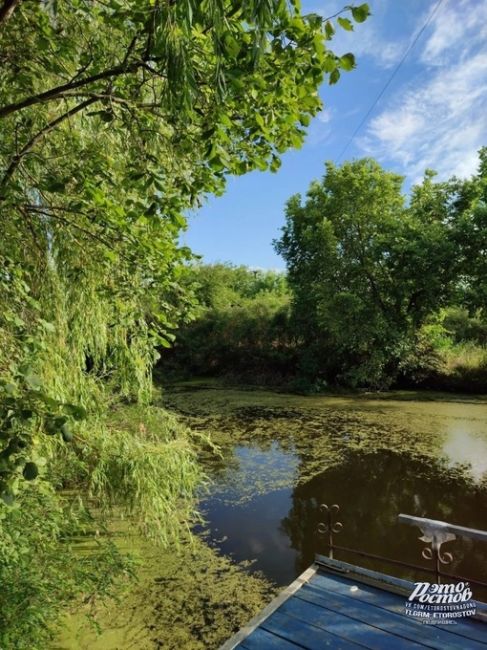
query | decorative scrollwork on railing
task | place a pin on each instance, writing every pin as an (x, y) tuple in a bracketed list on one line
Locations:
[(435, 537), (330, 525), (443, 558)]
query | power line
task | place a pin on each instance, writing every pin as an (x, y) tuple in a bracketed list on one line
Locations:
[(389, 81)]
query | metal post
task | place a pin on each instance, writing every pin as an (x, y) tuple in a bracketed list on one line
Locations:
[(330, 526), (437, 533)]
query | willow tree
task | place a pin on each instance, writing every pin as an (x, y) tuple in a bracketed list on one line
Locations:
[(115, 118)]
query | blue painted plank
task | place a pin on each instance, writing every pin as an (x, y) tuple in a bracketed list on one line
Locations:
[(346, 627), (304, 634), (351, 605), (263, 640), (380, 598)]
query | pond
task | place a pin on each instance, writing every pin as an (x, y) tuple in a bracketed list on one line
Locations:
[(284, 455), (281, 456)]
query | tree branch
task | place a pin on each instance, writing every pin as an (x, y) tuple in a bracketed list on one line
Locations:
[(45, 212), (7, 8), (59, 91), (17, 159)]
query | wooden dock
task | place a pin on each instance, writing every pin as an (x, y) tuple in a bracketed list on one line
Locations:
[(340, 606)]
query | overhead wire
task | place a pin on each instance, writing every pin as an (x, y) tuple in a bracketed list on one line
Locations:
[(390, 79)]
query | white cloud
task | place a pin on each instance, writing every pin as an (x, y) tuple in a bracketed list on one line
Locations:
[(438, 119), (371, 39), (320, 128), (456, 22)]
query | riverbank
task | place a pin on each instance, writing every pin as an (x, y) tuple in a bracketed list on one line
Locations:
[(399, 394), (182, 593)]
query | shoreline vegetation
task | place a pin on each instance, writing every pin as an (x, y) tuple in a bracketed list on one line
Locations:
[(395, 394), (381, 290), (243, 335)]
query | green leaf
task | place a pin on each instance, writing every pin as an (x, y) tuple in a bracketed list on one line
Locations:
[(361, 13), (49, 327), (232, 47), (347, 61), (105, 116), (55, 185), (77, 411), (33, 381), (8, 498), (51, 427), (329, 30), (345, 23), (66, 433), (10, 388), (334, 77), (329, 63), (275, 163)]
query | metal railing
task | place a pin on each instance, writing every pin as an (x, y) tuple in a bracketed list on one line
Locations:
[(434, 534)]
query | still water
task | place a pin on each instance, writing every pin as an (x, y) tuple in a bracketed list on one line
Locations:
[(284, 455)]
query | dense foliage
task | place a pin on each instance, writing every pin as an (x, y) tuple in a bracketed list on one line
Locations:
[(369, 271), (115, 117), (382, 290), (241, 328)]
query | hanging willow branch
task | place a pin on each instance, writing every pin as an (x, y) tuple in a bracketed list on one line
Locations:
[(59, 91)]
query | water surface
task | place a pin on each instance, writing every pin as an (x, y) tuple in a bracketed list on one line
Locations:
[(284, 455)]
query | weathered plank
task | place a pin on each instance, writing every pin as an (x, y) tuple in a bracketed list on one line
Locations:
[(337, 597), (379, 598), (260, 639), (305, 634), (346, 627), (254, 623)]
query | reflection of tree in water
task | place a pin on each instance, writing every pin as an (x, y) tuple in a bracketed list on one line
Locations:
[(372, 489)]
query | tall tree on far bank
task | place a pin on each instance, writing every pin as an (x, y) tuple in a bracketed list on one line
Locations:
[(367, 270)]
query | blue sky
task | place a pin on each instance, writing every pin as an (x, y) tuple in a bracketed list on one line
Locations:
[(434, 114)]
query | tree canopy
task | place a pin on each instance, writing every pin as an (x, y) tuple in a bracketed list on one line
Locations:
[(368, 268), (116, 117)]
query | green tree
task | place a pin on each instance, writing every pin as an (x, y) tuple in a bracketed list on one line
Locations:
[(366, 269), (468, 202), (240, 329), (117, 116)]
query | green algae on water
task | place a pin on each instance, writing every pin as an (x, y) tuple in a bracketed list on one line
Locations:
[(187, 598)]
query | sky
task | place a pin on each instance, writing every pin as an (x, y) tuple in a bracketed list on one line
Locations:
[(432, 115)]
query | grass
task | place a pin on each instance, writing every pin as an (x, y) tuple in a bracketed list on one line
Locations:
[(465, 357), (464, 368)]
